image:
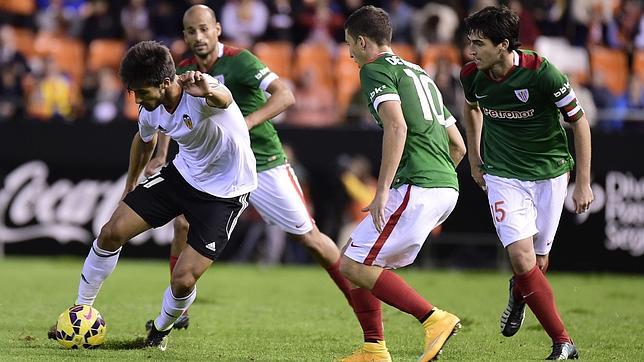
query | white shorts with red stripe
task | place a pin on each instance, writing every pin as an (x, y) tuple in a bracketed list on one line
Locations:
[(521, 209), (279, 200), (411, 212)]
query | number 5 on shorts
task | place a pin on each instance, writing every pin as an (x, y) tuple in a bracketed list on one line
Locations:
[(498, 211)]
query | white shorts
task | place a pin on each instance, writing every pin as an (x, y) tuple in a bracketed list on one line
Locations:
[(411, 212), (279, 200), (521, 209)]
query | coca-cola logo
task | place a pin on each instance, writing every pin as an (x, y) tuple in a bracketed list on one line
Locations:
[(31, 208)]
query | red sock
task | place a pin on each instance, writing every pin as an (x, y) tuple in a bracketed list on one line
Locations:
[(538, 294), (516, 291), (393, 290), (173, 262), (340, 280), (369, 312)]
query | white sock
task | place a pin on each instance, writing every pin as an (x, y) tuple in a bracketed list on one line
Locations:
[(172, 308), (99, 264)]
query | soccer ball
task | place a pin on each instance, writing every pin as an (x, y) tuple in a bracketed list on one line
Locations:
[(80, 326)]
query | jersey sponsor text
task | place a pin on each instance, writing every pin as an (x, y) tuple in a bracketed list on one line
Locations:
[(493, 113)]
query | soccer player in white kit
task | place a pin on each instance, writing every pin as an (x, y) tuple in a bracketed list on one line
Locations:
[(208, 181)]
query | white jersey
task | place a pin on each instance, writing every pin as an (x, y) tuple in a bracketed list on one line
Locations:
[(214, 146)]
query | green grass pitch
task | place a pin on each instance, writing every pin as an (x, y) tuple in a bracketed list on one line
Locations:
[(251, 313)]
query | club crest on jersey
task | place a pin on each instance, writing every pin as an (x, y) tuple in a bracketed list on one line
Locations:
[(522, 94), (187, 120)]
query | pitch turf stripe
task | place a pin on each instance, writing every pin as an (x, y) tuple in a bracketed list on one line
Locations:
[(389, 228)]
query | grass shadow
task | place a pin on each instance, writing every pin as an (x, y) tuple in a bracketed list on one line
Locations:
[(122, 344)]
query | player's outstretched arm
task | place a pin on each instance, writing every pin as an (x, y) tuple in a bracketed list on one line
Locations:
[(393, 144), (281, 98), (473, 128), (457, 148), (140, 153), (160, 156), (583, 194)]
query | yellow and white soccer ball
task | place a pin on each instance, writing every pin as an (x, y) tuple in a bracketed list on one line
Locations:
[(80, 326)]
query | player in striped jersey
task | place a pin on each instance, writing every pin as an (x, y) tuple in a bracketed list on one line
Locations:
[(417, 187), (514, 99)]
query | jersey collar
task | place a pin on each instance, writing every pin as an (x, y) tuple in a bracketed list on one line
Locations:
[(378, 56), (220, 48), (515, 64)]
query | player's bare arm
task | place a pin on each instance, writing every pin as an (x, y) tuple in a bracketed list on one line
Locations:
[(160, 156), (281, 98), (393, 143), (473, 128), (457, 148), (582, 196), (140, 153), (199, 84)]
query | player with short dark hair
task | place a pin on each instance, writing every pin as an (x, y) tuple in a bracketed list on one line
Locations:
[(208, 181), (278, 198), (417, 186), (514, 100)]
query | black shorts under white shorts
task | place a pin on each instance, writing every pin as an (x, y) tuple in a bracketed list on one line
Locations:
[(166, 195)]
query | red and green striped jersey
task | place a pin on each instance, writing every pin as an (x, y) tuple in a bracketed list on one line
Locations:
[(247, 78), (522, 136), (425, 160)]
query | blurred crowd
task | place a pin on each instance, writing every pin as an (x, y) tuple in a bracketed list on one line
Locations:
[(59, 58)]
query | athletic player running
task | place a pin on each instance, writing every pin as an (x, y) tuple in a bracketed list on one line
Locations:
[(208, 181), (278, 198), (417, 186), (525, 165)]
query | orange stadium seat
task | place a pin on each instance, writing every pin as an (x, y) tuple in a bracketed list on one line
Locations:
[(433, 53), (68, 53), (105, 53), (638, 63), (405, 51), (277, 55), (20, 7), (317, 58), (25, 41), (612, 66), (347, 78)]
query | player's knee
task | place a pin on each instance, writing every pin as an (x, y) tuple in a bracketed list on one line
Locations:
[(111, 237), (182, 283), (522, 262), (181, 226), (348, 268)]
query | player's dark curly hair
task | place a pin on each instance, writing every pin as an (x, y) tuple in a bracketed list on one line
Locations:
[(146, 64), (371, 22), (496, 24)]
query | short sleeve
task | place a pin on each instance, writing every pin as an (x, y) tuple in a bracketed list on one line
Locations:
[(255, 74), (556, 85), (468, 72), (378, 85), (146, 129), (449, 118)]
